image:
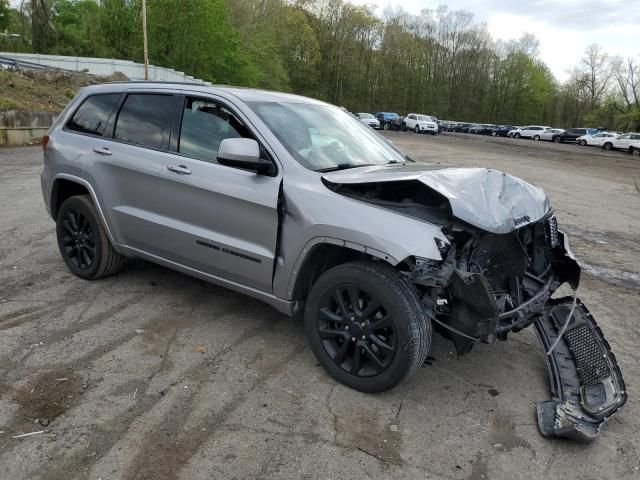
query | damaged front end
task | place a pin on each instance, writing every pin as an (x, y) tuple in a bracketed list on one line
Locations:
[(489, 285), (503, 261)]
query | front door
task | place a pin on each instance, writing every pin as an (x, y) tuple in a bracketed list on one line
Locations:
[(218, 219)]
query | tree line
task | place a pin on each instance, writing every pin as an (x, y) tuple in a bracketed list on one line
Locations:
[(440, 62)]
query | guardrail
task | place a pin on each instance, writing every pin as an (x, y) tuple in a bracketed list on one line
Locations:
[(94, 66)]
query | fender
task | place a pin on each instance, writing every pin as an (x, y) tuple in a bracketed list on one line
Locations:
[(314, 242)]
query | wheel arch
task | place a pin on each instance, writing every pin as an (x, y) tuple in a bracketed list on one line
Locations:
[(322, 254), (66, 186)]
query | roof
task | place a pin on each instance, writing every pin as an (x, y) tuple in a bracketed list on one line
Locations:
[(244, 94)]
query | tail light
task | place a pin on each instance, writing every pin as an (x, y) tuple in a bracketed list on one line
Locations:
[(45, 141)]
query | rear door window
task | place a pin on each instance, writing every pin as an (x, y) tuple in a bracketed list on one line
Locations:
[(93, 114), (146, 119)]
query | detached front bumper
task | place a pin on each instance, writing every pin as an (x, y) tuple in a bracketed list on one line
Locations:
[(586, 383)]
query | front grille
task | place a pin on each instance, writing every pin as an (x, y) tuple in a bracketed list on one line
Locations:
[(499, 258), (551, 229), (590, 363)]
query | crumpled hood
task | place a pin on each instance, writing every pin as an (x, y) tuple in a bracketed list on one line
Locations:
[(488, 199)]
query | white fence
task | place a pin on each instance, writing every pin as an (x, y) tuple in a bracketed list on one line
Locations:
[(103, 66)]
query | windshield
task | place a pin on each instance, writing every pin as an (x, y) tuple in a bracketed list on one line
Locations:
[(366, 115), (424, 118), (322, 137)]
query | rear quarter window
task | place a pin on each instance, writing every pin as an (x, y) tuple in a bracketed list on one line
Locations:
[(93, 114)]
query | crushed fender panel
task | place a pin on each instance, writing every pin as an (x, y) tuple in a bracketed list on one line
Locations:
[(586, 383)]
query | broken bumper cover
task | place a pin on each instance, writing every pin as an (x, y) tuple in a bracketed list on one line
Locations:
[(586, 383)]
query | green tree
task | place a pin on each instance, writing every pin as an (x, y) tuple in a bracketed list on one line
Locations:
[(196, 36)]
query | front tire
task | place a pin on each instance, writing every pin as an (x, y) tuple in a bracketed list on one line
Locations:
[(83, 241), (608, 146), (536, 138), (417, 129), (557, 139), (367, 326), (516, 135), (582, 143)]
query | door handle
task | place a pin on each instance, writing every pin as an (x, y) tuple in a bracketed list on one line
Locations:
[(179, 169), (102, 150)]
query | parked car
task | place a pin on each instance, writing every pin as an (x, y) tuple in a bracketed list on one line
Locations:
[(421, 123), (241, 187), (447, 125), (368, 119), (572, 134), (385, 119), (597, 140), (501, 130), (548, 134), (463, 127), (628, 141), (481, 128), (530, 131)]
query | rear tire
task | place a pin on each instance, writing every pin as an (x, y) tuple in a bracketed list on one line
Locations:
[(417, 129), (557, 139), (536, 138), (635, 151), (582, 143), (367, 326), (607, 146), (83, 241), (516, 135), (494, 134)]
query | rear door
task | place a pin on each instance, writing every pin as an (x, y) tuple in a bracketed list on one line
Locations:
[(218, 219), (623, 141), (128, 169)]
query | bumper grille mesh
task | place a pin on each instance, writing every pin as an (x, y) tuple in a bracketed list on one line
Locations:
[(590, 363)]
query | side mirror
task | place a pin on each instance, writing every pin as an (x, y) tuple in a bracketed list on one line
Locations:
[(242, 153)]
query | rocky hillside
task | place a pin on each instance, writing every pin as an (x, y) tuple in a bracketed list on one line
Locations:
[(44, 90)]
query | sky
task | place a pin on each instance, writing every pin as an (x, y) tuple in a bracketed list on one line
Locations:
[(563, 28)]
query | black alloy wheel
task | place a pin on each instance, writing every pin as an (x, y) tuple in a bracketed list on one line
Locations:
[(357, 331), (367, 325), (78, 239), (83, 241)]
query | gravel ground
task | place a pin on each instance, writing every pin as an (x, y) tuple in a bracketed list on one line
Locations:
[(154, 375)]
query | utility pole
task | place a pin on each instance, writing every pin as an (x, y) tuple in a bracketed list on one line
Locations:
[(144, 37)]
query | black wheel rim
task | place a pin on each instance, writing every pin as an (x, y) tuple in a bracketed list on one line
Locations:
[(357, 331), (78, 239)]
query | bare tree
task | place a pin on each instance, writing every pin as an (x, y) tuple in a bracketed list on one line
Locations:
[(596, 73)]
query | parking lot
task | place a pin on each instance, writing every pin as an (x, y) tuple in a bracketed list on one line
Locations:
[(151, 374)]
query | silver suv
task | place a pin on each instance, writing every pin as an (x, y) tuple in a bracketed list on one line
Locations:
[(297, 203)]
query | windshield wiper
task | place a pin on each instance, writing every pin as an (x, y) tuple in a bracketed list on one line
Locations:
[(344, 166)]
